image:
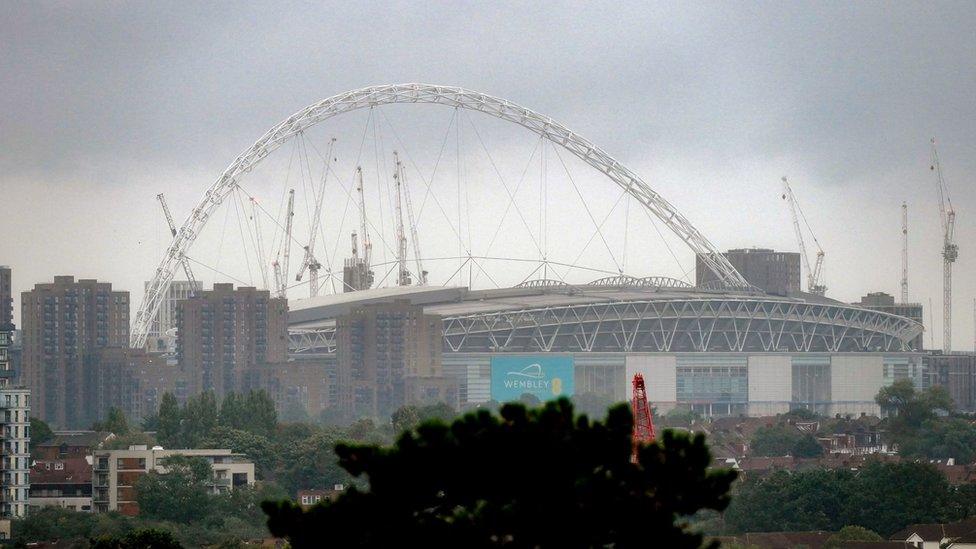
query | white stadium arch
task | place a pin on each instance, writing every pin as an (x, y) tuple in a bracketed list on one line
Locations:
[(430, 94)]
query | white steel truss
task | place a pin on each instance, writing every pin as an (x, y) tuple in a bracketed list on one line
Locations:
[(431, 94), (670, 325)]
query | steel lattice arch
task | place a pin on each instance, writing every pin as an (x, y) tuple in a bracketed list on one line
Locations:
[(633, 316), (453, 97)]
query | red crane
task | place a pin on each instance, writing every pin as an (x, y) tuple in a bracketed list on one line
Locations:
[(643, 422)]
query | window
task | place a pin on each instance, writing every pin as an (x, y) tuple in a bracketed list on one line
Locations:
[(305, 500), (59, 466)]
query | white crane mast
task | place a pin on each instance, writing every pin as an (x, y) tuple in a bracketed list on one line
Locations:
[(421, 273), (364, 231), (281, 267), (904, 252), (814, 285), (309, 262), (950, 250), (403, 276), (258, 243), (172, 229)]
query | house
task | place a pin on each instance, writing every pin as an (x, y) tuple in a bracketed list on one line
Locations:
[(311, 497), (954, 535)]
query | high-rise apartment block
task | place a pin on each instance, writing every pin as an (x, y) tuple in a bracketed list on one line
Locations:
[(160, 336), (390, 355), (222, 332), (65, 324), (776, 273), (14, 419)]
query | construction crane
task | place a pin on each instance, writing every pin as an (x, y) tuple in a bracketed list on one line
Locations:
[(172, 229), (643, 420), (309, 263), (904, 252), (814, 284), (259, 242), (403, 276), (950, 250), (367, 275), (281, 267), (414, 239)]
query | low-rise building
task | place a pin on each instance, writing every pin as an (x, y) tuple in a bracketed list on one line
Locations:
[(311, 497), (116, 473), (62, 482)]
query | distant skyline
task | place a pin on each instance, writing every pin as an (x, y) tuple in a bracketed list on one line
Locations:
[(107, 105)]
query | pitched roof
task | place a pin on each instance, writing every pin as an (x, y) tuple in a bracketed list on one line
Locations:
[(785, 540), (90, 439), (74, 470)]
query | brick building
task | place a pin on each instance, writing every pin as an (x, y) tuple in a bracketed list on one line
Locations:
[(65, 324), (222, 332), (388, 355)]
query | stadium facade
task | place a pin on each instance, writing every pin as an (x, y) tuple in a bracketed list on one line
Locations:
[(718, 351)]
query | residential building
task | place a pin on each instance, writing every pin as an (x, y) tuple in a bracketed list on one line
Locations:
[(776, 273), (64, 482), (389, 354), (956, 373), (14, 419), (15, 458), (953, 535), (311, 497), (65, 324), (116, 473), (161, 337), (885, 303), (301, 387), (224, 331)]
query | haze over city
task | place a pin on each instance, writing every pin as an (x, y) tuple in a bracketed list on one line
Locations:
[(710, 106), (472, 274)]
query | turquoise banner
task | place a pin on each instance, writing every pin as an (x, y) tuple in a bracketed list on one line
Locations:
[(542, 376)]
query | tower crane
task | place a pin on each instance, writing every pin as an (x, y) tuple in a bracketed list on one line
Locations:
[(421, 273), (950, 250), (904, 252), (814, 284), (367, 275), (309, 263), (281, 267), (172, 229), (403, 276)]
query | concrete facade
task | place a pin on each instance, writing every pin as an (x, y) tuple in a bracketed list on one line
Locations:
[(160, 337)]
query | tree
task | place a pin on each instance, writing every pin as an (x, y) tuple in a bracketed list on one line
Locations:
[(590, 488), (806, 446), (404, 418), (529, 400), (199, 418), (40, 431), (312, 462), (909, 408), (232, 412), (116, 423), (139, 539), (169, 433), (180, 494), (258, 448), (260, 414), (850, 533)]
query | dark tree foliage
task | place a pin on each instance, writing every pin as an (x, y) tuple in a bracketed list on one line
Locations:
[(916, 426), (40, 432), (257, 448), (882, 497), (784, 440), (116, 423), (180, 494), (850, 533), (146, 538), (530, 478), (169, 423)]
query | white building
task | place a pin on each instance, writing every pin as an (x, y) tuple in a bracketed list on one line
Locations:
[(116, 473)]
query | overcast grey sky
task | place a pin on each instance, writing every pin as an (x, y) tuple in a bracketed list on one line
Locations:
[(104, 105)]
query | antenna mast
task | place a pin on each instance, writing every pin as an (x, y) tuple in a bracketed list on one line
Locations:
[(643, 421)]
